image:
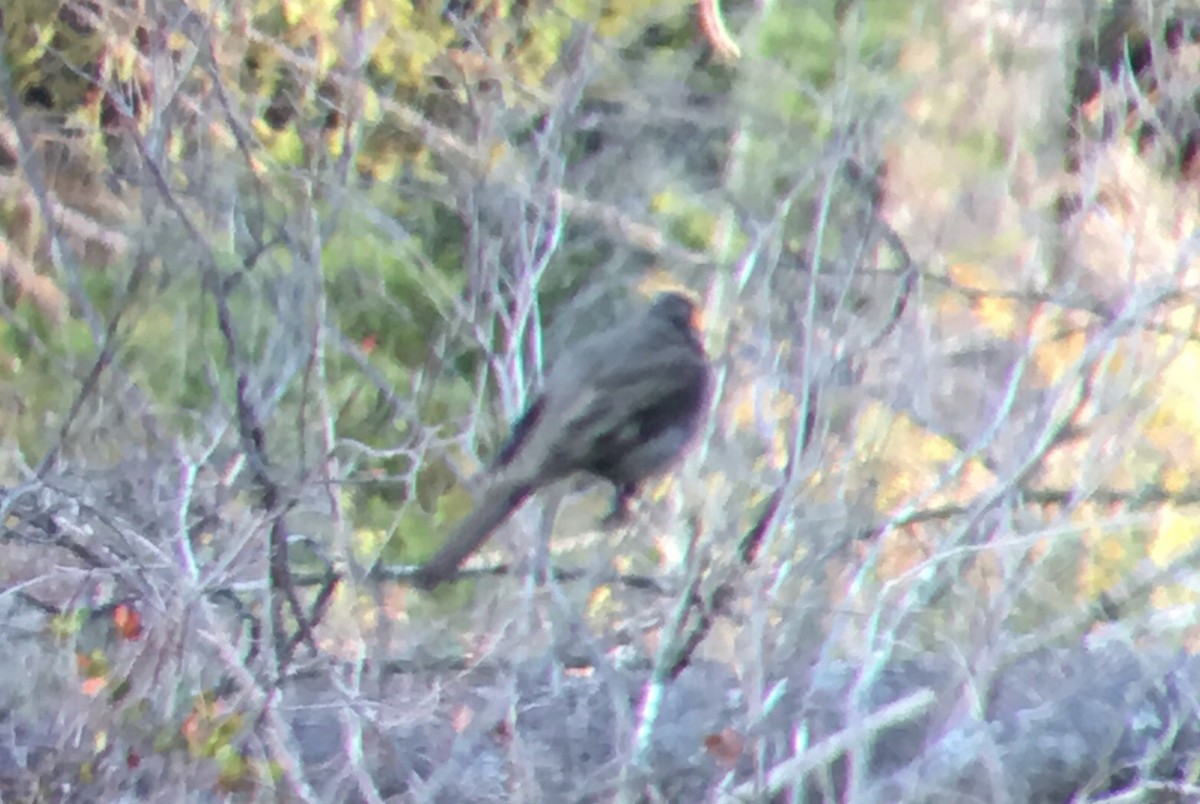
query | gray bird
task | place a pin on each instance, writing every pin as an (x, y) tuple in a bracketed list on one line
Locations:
[(622, 404)]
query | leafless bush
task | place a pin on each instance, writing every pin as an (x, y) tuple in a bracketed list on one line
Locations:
[(935, 543)]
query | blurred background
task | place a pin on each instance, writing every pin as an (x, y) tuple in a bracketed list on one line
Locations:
[(277, 276)]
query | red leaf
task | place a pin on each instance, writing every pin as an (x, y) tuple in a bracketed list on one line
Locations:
[(128, 621), (725, 747)]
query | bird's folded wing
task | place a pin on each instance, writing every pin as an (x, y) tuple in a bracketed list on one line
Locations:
[(653, 383)]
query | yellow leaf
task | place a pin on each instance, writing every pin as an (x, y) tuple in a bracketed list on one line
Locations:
[(1168, 597), (124, 60), (600, 597), (372, 110), (496, 153), (936, 448), (1175, 480), (1057, 357), (969, 275), (997, 314), (1094, 579), (1176, 534), (1111, 550), (293, 11)]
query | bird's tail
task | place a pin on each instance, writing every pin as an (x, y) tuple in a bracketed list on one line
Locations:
[(498, 502)]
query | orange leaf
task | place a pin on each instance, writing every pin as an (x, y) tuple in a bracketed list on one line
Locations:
[(462, 718), (725, 747), (128, 621), (92, 686)]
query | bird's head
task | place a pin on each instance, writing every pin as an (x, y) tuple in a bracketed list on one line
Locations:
[(676, 308)]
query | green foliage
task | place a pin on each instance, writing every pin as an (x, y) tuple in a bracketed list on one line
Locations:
[(818, 47), (42, 50), (416, 533), (691, 223), (385, 290), (69, 623)]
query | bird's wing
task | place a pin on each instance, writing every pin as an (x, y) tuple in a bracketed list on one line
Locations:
[(659, 374), (608, 391), (624, 407)]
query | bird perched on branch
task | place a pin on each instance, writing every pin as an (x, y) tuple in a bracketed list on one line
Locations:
[(622, 404)]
